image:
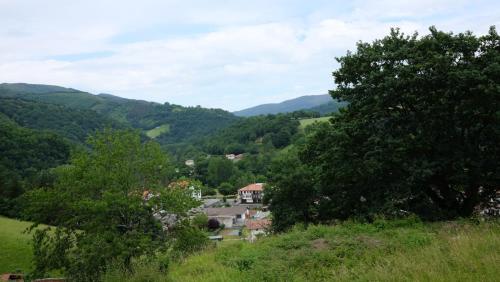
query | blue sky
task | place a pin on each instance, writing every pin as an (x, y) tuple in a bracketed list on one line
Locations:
[(224, 54)]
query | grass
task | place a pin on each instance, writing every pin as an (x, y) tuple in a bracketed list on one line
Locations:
[(405, 250), (157, 131), (309, 121), (402, 250), (15, 248)]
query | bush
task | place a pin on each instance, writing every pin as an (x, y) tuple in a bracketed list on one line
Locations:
[(227, 189), (189, 239), (206, 191), (213, 224), (200, 221)]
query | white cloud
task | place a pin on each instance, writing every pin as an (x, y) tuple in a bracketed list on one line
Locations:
[(245, 53)]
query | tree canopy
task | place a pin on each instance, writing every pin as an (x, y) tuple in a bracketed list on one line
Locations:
[(421, 129), (419, 134)]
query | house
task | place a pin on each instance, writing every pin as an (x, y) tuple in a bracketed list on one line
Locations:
[(257, 227), (238, 157), (252, 193), (189, 163), (230, 216), (230, 157)]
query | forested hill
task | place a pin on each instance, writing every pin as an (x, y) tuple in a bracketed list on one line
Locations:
[(74, 124), (169, 123), (301, 103)]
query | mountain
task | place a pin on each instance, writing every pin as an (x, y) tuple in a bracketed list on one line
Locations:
[(177, 123), (300, 103)]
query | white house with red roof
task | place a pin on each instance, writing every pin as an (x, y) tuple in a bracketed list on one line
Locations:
[(252, 193)]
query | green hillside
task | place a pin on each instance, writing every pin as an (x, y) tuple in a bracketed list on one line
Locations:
[(25, 156), (185, 123), (74, 124), (403, 250), (16, 252)]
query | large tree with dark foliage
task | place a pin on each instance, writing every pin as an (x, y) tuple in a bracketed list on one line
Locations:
[(421, 132), (292, 191)]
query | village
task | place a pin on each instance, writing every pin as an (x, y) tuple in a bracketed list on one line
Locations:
[(242, 217), (238, 217)]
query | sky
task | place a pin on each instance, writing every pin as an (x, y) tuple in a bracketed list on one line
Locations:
[(219, 54)]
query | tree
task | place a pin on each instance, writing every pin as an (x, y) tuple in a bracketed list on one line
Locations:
[(219, 170), (291, 193), (99, 208), (227, 189), (421, 129), (200, 220)]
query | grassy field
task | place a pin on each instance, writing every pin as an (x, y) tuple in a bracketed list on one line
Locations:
[(15, 250), (309, 121), (384, 251), (157, 131)]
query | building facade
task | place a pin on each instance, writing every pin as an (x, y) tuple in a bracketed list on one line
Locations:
[(251, 194)]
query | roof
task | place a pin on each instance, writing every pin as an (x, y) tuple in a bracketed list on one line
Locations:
[(231, 211), (253, 187), (210, 202), (258, 224)]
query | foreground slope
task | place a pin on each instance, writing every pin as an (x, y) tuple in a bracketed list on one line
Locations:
[(405, 250)]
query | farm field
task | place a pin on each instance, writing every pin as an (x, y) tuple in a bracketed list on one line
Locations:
[(157, 131)]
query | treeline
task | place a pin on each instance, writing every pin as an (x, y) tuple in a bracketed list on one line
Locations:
[(252, 135)]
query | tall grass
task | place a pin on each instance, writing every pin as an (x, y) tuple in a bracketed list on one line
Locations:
[(404, 250)]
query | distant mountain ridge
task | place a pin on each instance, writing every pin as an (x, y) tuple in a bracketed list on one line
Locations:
[(307, 102)]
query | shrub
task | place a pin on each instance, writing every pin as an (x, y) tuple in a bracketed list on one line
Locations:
[(213, 224), (200, 221)]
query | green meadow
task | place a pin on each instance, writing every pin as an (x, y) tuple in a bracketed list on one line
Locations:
[(157, 131), (15, 248)]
